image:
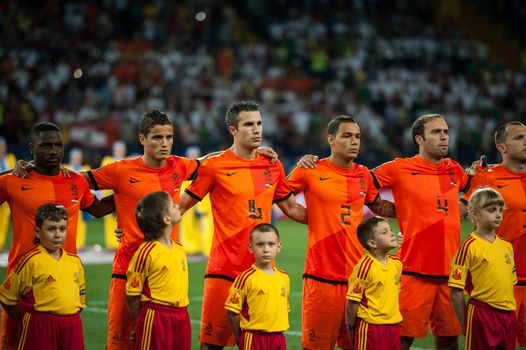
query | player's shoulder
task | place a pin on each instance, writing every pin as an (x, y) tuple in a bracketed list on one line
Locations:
[(73, 257), (282, 271), (25, 258), (141, 256), (364, 266), (214, 160), (242, 278), (394, 257)]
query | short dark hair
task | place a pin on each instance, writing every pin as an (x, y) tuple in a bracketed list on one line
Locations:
[(500, 133), (264, 228), (232, 114), (49, 211), (151, 119), (334, 124), (149, 214), (418, 125), (43, 126), (365, 230)]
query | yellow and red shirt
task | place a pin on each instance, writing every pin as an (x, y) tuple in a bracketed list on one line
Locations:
[(486, 270), (131, 180), (159, 274), (261, 299), (335, 198), (426, 197), (376, 287), (241, 192), (46, 284)]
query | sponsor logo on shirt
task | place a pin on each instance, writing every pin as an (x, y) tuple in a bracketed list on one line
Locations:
[(261, 292), (133, 180), (50, 279)]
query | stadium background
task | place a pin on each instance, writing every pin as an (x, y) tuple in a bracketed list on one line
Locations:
[(94, 67)]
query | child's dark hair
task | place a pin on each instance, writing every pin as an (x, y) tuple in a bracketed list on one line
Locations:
[(264, 228), (49, 211), (366, 228), (149, 214)]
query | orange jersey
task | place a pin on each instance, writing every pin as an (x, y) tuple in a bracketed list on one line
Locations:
[(512, 186), (131, 180), (426, 197), (241, 193), (25, 195), (335, 198)]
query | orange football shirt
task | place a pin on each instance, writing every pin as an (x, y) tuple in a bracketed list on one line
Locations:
[(335, 198), (241, 193), (25, 195), (512, 186), (426, 197), (131, 180)]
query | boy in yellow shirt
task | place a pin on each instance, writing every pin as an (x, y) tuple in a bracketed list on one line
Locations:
[(51, 284), (372, 313), (157, 278), (258, 301)]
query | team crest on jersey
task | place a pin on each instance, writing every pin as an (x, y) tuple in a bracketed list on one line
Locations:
[(234, 299), (7, 283), (76, 277), (183, 264), (357, 288), (283, 291), (176, 181), (267, 174), (135, 283), (115, 339), (397, 279), (457, 273), (74, 192), (362, 183), (507, 258)]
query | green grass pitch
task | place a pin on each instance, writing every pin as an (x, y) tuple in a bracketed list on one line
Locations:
[(291, 259)]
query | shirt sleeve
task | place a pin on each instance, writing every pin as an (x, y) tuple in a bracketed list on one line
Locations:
[(236, 298), (297, 180), (82, 286), (288, 293), (459, 269), (385, 175), (9, 291), (510, 248), (372, 191), (357, 284), (105, 178), (204, 181), (476, 181), (283, 191), (135, 278), (88, 198), (191, 166)]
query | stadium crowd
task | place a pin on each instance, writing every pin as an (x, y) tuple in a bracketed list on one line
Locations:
[(95, 67)]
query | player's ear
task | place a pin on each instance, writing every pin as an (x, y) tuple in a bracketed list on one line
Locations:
[(37, 232), (232, 130), (279, 246), (330, 139), (142, 139), (501, 147), (31, 148), (250, 247), (419, 139)]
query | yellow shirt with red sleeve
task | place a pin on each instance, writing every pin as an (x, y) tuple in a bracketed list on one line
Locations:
[(335, 198), (46, 284), (131, 180), (512, 187), (159, 274), (486, 270), (242, 193), (261, 299), (426, 197), (25, 195), (376, 287)]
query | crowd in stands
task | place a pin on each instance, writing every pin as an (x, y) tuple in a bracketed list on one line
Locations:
[(101, 64)]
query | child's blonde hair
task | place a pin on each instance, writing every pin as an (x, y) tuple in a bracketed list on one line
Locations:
[(482, 198)]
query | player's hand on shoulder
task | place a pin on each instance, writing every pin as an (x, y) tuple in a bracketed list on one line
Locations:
[(66, 172), (400, 239), (22, 168), (477, 166), (268, 152), (118, 234), (308, 161)]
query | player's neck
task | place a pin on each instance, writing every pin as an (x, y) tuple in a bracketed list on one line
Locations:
[(514, 166), (153, 163), (266, 268), (243, 153), (56, 254), (341, 162), (429, 158), (487, 235), (47, 171), (379, 255), (165, 239)]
